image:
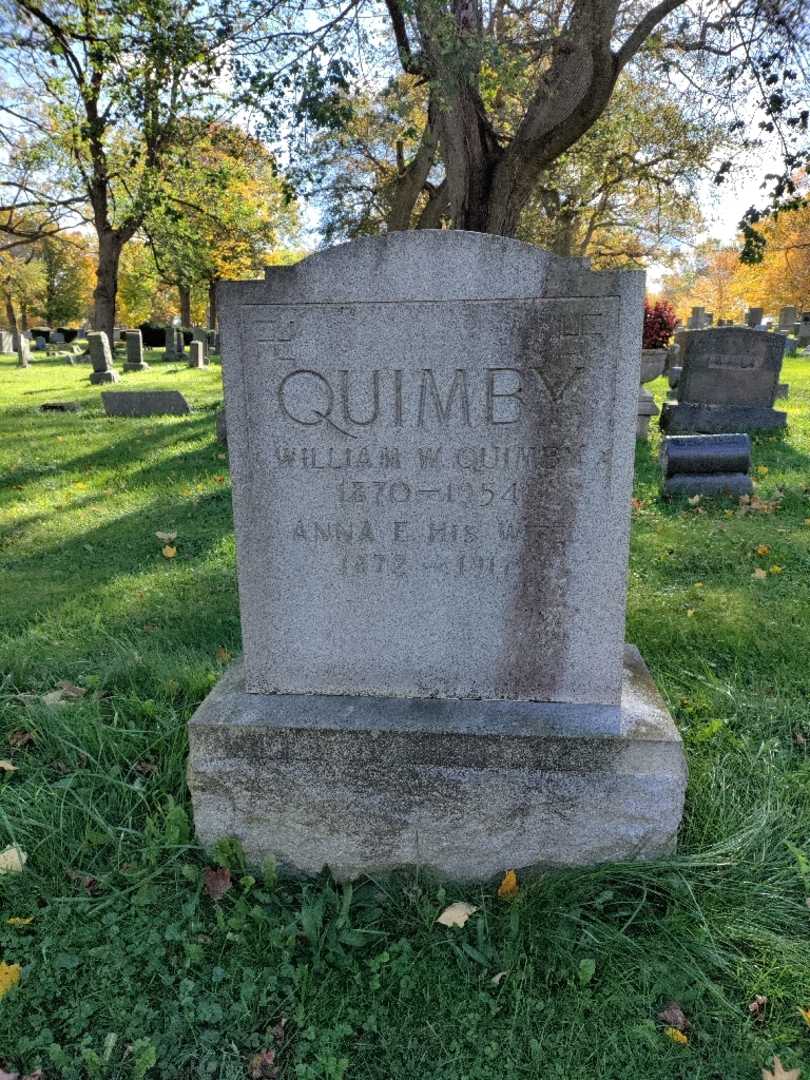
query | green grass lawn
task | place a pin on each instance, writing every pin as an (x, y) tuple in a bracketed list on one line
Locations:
[(129, 969)]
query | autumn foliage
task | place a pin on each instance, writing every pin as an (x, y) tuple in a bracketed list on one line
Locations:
[(660, 321)]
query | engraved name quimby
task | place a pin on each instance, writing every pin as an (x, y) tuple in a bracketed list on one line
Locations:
[(472, 397)]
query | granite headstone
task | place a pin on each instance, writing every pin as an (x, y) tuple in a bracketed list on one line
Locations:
[(101, 358), (135, 403), (134, 360), (728, 382), (431, 447)]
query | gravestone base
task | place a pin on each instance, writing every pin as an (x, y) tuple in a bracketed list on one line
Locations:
[(136, 366), (465, 789), (97, 377), (685, 419)]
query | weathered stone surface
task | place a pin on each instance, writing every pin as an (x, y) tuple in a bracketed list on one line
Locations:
[(753, 317), (787, 317), (466, 789), (432, 470), (222, 427), (170, 348), (653, 362), (135, 360), (200, 335), (197, 355), (144, 403), (706, 454), (678, 419), (101, 358), (730, 366), (6, 341), (674, 376), (710, 484)]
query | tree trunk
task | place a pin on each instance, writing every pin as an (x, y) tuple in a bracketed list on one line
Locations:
[(184, 292), (212, 305), (104, 294), (11, 315)]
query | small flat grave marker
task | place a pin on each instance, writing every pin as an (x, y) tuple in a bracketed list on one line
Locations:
[(134, 403)]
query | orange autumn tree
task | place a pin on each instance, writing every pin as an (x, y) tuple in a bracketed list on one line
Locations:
[(783, 276)]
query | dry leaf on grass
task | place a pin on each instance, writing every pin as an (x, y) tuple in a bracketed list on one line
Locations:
[(38, 1075), (759, 574), (757, 1007), (262, 1066), (6, 766), (19, 739), (17, 920), (169, 552), (763, 549), (217, 881), (223, 655), (676, 1036), (166, 537), (673, 1016), (12, 860), (496, 980), (456, 914), (63, 691), (9, 977), (780, 1072), (509, 886)]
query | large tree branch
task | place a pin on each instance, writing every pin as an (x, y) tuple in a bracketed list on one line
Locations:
[(643, 30)]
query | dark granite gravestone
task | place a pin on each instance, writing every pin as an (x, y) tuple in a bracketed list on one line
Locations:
[(706, 465), (728, 382), (431, 439), (135, 403)]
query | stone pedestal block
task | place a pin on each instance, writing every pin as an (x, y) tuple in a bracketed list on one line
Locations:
[(108, 376), (465, 789), (685, 419), (646, 409)]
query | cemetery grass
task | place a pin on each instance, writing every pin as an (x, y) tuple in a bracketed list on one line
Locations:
[(129, 968)]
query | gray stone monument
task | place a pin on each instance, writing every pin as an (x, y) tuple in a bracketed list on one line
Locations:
[(138, 403), (706, 465), (431, 442), (6, 342), (179, 343), (197, 355), (728, 382), (23, 351), (135, 360), (199, 333), (753, 317), (787, 319), (101, 358), (170, 349)]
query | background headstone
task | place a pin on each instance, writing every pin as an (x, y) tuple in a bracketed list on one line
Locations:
[(101, 358), (728, 382), (134, 360), (134, 403), (197, 355), (753, 317), (23, 351)]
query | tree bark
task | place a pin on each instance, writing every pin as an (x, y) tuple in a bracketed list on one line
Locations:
[(184, 292), (212, 305), (104, 294)]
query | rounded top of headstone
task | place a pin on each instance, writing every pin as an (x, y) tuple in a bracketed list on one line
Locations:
[(437, 264)]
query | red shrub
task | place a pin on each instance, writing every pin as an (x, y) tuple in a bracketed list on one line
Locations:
[(660, 321)]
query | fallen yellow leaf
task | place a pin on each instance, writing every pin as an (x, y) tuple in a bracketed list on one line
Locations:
[(676, 1036), (762, 470), (6, 766), (780, 1072), (456, 914), (775, 569), (9, 977), (509, 886), (805, 1013), (12, 860), (690, 612), (16, 920), (169, 552), (763, 549)]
